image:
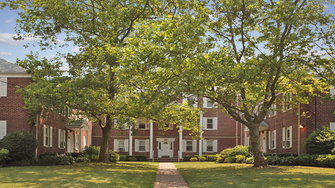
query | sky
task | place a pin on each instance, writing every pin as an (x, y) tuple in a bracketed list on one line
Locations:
[(11, 50)]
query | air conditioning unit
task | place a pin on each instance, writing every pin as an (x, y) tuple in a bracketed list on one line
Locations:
[(286, 144)]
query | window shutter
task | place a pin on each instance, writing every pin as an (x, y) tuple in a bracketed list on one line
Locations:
[(194, 146), (59, 136), (269, 138), (275, 139), (283, 134), (184, 145), (290, 128), (3, 129), (44, 135), (147, 123), (147, 145), (126, 145), (51, 136), (215, 146), (204, 145), (3, 87), (115, 145), (215, 123), (136, 145), (204, 123)]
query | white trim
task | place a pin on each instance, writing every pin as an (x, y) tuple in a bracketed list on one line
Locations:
[(165, 139), (332, 126), (3, 86), (13, 75), (3, 128)]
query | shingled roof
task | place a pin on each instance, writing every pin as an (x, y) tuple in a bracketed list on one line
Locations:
[(7, 67)]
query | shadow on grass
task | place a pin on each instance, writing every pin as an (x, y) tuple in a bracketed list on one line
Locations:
[(81, 175), (240, 175)]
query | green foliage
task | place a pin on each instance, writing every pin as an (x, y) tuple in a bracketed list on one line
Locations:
[(235, 154), (113, 156), (82, 159), (240, 158), (211, 157), (249, 160), (4, 155), (53, 158), (303, 160), (92, 152), (192, 159), (131, 158), (321, 141), (202, 159), (21, 145)]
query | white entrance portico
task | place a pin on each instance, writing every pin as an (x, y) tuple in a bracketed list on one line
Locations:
[(165, 147)]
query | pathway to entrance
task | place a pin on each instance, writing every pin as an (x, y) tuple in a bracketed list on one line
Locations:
[(168, 177)]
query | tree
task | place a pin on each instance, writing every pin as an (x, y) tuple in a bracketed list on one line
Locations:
[(97, 83), (321, 141), (243, 55)]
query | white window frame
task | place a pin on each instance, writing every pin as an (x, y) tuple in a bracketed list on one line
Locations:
[(3, 86), (138, 145), (3, 128), (206, 102), (214, 144), (140, 121), (61, 139), (47, 136), (117, 145), (205, 123), (287, 97), (246, 136), (287, 137), (194, 146), (273, 110), (273, 139), (332, 126)]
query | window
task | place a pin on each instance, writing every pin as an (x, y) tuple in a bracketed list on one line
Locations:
[(47, 136), (61, 138), (142, 124), (166, 127), (189, 145), (3, 87), (273, 110), (272, 139), (287, 102), (77, 143), (210, 123), (331, 126), (191, 100), (287, 137), (209, 145), (141, 145), (3, 128), (120, 146), (208, 103)]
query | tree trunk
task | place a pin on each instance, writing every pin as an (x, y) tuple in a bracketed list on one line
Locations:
[(103, 155), (259, 160)]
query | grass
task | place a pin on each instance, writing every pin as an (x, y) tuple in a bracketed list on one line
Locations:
[(122, 174), (209, 174)]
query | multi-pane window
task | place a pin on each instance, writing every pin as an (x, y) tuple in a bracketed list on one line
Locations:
[(287, 102), (208, 103), (210, 123), (273, 110), (141, 145), (189, 145), (3, 128), (121, 145), (141, 123), (210, 145), (272, 139), (47, 136), (287, 137), (61, 138)]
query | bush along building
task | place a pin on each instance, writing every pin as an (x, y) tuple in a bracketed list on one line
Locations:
[(219, 132), (53, 132)]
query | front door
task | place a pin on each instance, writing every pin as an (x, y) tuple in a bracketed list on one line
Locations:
[(263, 142), (165, 149)]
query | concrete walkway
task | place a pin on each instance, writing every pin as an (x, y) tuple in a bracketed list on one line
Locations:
[(169, 177)]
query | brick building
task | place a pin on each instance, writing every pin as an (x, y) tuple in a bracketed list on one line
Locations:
[(53, 132), (145, 138)]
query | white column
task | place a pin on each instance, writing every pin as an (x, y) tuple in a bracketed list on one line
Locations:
[(151, 140), (80, 142), (200, 141), (130, 148), (180, 142)]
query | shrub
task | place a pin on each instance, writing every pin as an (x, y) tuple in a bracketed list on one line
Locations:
[(4, 156), (202, 159), (48, 159), (194, 159), (211, 157), (321, 141), (132, 158), (141, 158), (124, 157), (76, 155), (187, 157), (326, 161), (92, 152), (113, 156), (229, 155), (20, 144), (82, 159), (229, 160), (220, 160), (65, 160), (240, 158), (249, 160)]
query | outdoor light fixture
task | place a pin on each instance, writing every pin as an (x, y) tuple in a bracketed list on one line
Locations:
[(301, 126)]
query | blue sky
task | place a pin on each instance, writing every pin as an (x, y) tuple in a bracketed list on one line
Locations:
[(12, 50)]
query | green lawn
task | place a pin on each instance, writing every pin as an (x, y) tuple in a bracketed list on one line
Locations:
[(122, 174), (209, 174)]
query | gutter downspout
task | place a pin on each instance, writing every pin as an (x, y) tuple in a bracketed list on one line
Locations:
[(299, 123), (36, 135)]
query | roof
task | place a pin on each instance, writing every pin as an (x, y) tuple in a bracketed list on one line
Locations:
[(7, 67), (73, 124)]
